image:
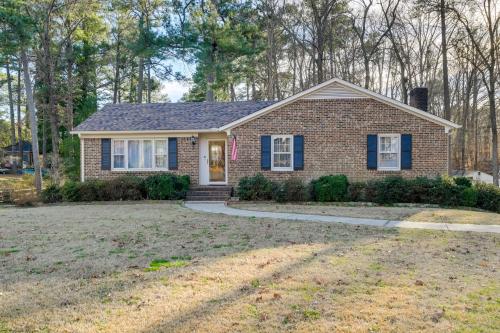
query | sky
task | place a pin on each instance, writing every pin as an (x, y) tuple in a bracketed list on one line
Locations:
[(176, 89)]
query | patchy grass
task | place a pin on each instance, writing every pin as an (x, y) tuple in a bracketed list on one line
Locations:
[(159, 263), (6, 252), (413, 214), (17, 182), (68, 275)]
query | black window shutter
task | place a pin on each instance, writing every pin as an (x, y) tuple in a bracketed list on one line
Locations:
[(105, 154), (298, 152), (265, 152), (172, 154), (371, 147), (406, 147)]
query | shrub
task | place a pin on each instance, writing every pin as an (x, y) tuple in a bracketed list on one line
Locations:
[(488, 197), (330, 188), (124, 188), (295, 190), (278, 192), (91, 190), (256, 187), (166, 186), (447, 193), (469, 197), (422, 190), (70, 191), (356, 191), (391, 190), (463, 181), (291, 190), (51, 194)]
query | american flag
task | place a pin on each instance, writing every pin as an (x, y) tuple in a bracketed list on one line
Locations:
[(234, 149)]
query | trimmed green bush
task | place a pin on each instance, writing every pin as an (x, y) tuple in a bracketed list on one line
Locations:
[(166, 186), (70, 191), (488, 197), (469, 197), (256, 187), (330, 188), (51, 194), (463, 181), (389, 190)]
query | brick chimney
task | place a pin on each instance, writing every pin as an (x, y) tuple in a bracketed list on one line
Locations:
[(418, 98)]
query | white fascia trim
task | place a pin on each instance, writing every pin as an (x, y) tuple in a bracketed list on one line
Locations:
[(145, 132), (374, 95)]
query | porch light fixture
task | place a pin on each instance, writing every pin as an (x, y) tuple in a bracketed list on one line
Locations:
[(193, 140)]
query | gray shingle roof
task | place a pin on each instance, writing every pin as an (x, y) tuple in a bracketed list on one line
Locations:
[(169, 116)]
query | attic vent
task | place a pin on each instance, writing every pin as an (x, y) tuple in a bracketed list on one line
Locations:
[(418, 98)]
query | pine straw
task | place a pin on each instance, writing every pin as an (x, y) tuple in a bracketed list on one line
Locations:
[(81, 268), (412, 213)]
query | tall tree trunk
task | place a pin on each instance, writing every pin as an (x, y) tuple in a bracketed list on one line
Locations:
[(116, 81), (465, 117), (12, 113), (148, 86), (140, 83), (69, 94), (474, 121), (446, 87), (19, 120), (494, 129), (367, 72), (233, 92), (33, 122)]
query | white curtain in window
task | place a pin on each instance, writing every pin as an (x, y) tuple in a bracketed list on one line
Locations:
[(133, 154), (119, 154), (161, 153), (147, 154), (282, 153), (389, 152)]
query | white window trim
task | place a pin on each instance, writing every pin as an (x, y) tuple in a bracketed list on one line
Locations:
[(390, 135), (141, 143), (273, 168)]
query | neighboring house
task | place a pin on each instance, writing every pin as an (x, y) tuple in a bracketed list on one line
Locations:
[(479, 176), (10, 154), (333, 128)]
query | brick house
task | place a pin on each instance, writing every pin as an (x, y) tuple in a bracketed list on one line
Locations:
[(332, 128)]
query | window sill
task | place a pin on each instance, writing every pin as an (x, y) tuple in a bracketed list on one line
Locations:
[(388, 169), (281, 170)]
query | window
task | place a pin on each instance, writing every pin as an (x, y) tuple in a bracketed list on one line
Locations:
[(389, 151), (140, 154), (281, 152), (119, 154), (161, 154)]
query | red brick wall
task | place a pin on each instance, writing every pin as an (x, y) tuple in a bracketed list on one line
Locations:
[(335, 133), (187, 156)]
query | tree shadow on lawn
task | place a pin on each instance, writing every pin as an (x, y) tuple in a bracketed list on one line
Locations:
[(233, 261)]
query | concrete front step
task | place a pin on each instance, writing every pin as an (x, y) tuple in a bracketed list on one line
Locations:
[(209, 193), (212, 198)]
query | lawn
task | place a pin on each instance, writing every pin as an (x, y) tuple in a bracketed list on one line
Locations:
[(156, 266), (408, 213)]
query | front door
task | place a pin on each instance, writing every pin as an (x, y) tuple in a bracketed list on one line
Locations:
[(213, 161), (216, 161)]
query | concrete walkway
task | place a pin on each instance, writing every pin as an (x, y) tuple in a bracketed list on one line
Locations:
[(221, 208)]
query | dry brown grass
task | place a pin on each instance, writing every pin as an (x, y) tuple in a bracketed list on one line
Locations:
[(81, 268), (414, 214)]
